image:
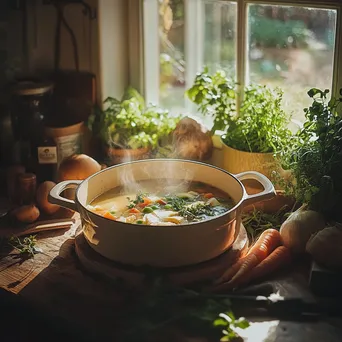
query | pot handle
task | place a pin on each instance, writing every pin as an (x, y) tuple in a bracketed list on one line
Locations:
[(56, 198), (268, 192)]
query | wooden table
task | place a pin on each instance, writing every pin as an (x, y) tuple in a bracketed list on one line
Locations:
[(55, 283)]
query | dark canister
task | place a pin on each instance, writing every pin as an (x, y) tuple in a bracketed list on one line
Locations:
[(31, 107)]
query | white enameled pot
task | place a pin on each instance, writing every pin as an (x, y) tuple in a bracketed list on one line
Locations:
[(161, 246)]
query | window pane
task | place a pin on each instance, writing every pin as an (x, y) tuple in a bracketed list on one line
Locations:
[(216, 23), (171, 58), (293, 48), (220, 36)]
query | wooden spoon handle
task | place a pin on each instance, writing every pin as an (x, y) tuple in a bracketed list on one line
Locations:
[(47, 225)]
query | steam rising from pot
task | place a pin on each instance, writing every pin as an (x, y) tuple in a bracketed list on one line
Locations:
[(165, 180), (190, 140)]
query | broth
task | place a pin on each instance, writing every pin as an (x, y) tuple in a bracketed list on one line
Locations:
[(162, 203)]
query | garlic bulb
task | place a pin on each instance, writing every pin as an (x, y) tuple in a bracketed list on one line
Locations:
[(298, 228)]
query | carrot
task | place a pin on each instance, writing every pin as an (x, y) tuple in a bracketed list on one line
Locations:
[(134, 211), (98, 208), (266, 243), (161, 201), (227, 275), (146, 202), (280, 257), (208, 195), (110, 216)]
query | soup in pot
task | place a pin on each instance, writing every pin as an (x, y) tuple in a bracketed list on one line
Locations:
[(161, 203)]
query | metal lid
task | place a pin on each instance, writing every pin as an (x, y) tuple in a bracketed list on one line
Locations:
[(32, 88)]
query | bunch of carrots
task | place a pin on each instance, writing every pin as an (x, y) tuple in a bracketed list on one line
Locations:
[(265, 256)]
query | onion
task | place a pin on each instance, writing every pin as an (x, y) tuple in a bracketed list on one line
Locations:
[(325, 247), (298, 228), (77, 166)]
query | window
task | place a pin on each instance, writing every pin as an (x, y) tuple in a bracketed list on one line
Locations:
[(280, 44)]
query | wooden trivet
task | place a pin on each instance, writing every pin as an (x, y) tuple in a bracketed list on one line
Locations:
[(135, 276)]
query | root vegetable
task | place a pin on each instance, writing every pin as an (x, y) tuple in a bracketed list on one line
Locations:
[(77, 166), (325, 247), (268, 241), (191, 140), (280, 257), (42, 198), (26, 213), (298, 228)]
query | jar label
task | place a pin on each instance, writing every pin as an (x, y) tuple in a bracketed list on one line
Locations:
[(47, 155), (68, 145)]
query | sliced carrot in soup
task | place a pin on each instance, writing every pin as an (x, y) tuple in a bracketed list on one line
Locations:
[(110, 216), (146, 202)]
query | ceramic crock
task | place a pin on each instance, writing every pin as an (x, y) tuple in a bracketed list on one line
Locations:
[(161, 246), (236, 161)]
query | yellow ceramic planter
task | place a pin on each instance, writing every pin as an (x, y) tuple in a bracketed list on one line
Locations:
[(235, 161)]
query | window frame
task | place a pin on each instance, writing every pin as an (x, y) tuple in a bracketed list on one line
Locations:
[(142, 62)]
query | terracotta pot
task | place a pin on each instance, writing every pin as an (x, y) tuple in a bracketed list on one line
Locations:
[(117, 156), (167, 246), (236, 161)]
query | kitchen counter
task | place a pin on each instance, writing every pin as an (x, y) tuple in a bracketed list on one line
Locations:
[(54, 294)]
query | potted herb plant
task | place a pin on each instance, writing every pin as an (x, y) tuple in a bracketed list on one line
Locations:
[(128, 129), (314, 157), (251, 135)]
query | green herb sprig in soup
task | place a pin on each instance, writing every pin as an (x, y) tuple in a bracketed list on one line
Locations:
[(163, 205)]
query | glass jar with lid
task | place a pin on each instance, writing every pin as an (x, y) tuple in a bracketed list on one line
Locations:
[(31, 105)]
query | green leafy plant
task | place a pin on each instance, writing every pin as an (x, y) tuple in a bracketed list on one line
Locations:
[(26, 246), (256, 221), (164, 305), (130, 124), (315, 157), (259, 126), (215, 96), (229, 325)]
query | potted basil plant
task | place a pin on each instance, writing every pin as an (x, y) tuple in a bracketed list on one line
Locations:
[(128, 129), (252, 135)]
